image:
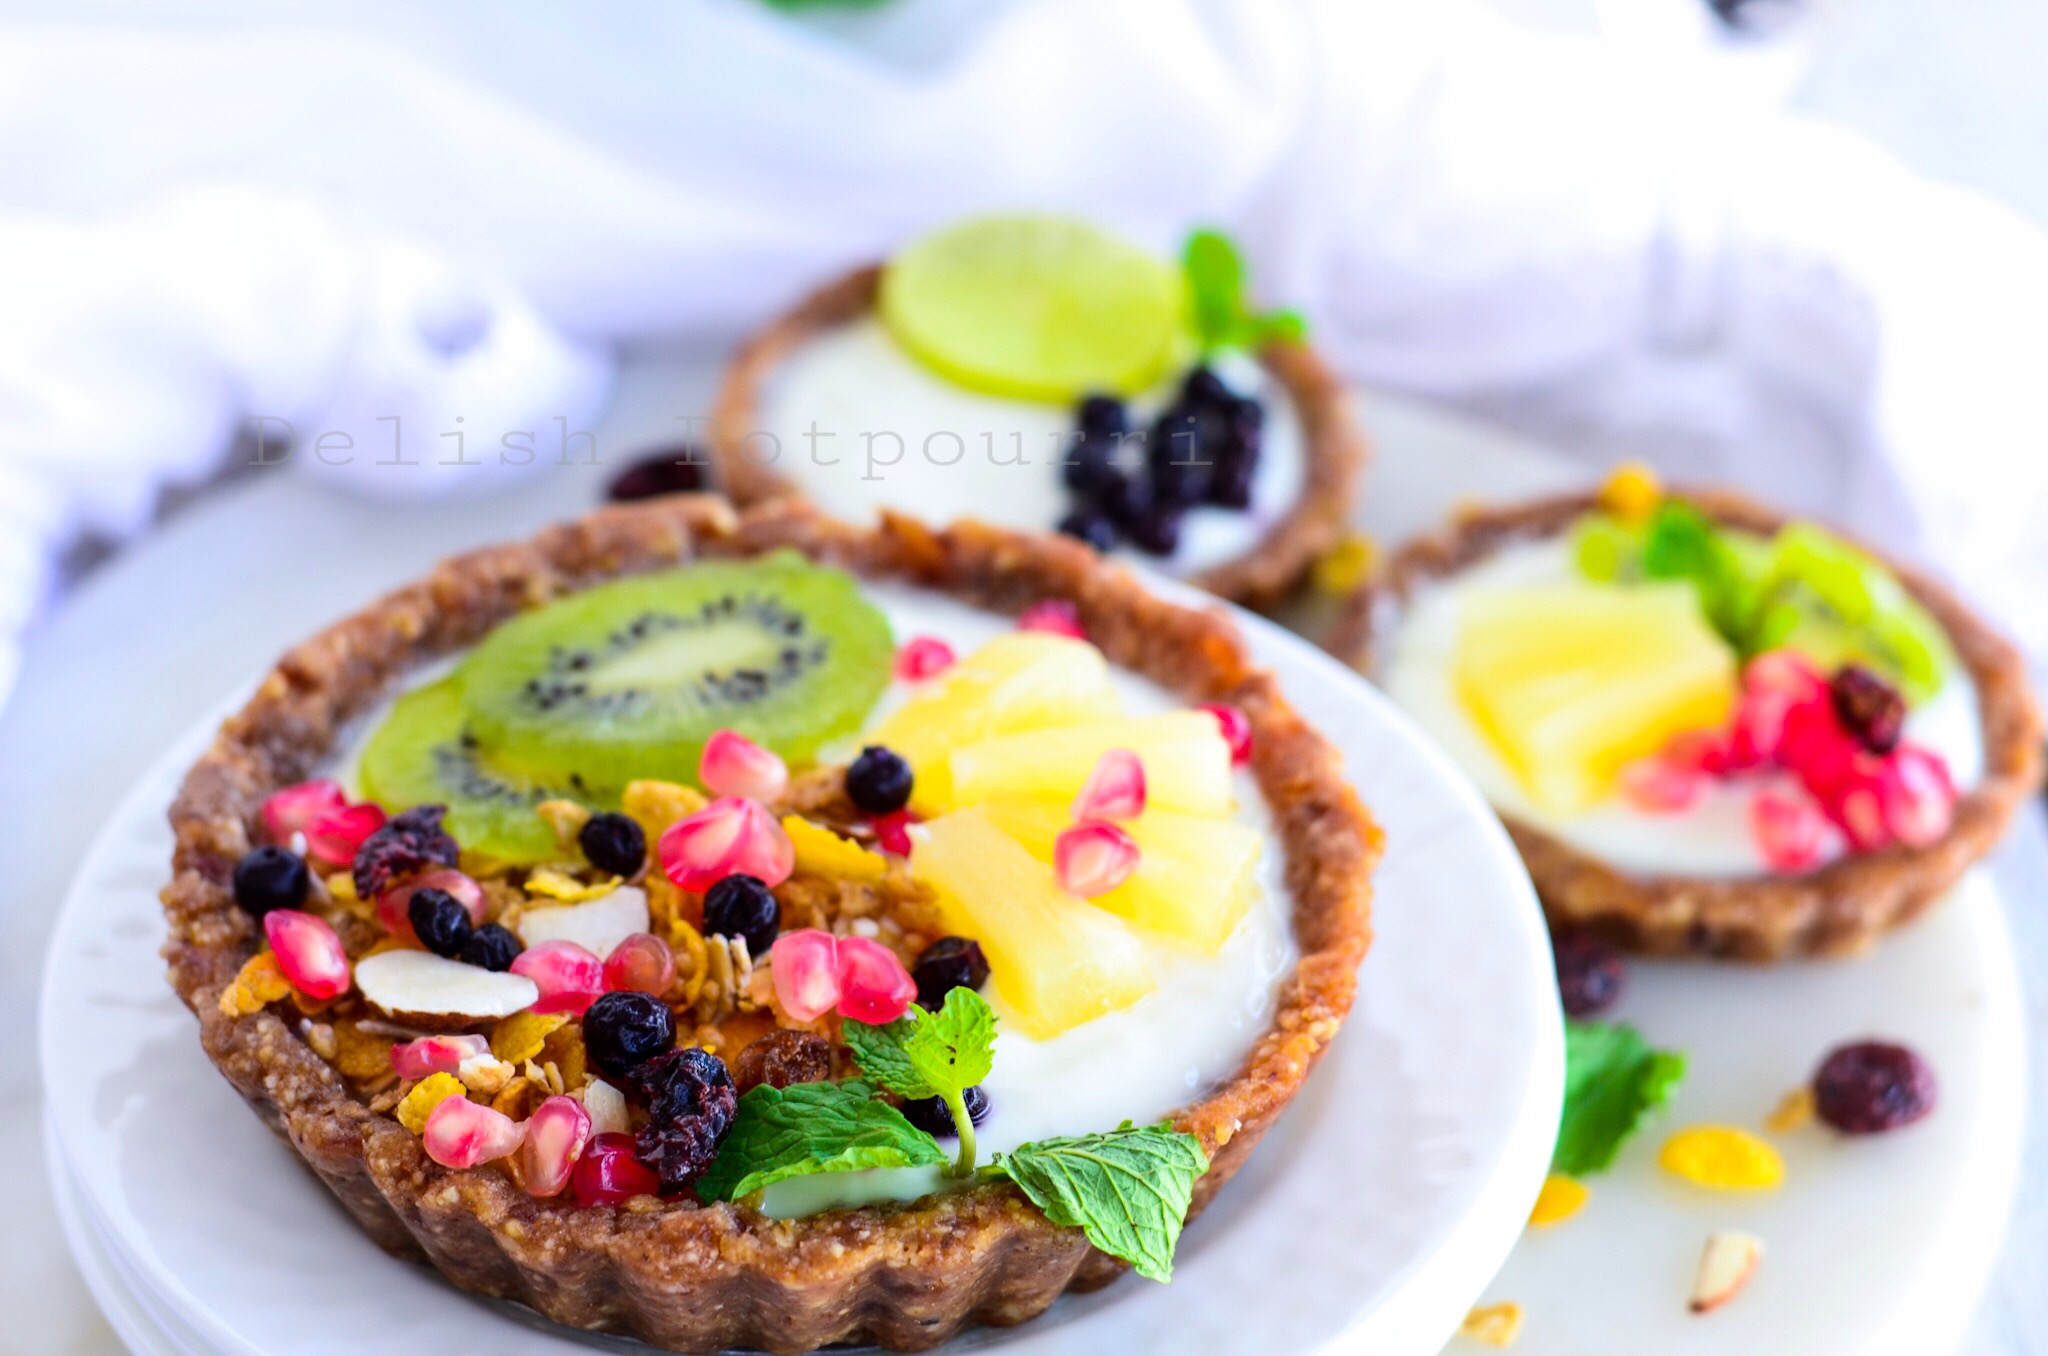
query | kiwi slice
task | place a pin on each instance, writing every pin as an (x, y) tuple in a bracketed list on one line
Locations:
[(423, 754), (1833, 602), (629, 679)]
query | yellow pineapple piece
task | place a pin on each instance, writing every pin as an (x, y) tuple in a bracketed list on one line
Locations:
[(1571, 682), (1057, 961), (1187, 763), (1023, 680), (1195, 878)]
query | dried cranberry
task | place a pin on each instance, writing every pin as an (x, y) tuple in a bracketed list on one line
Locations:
[(1870, 708), (1872, 1086), (781, 1059), (1589, 972), (690, 1103), (409, 842), (675, 470)]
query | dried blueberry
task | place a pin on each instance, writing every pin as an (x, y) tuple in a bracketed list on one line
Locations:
[(614, 843), (741, 906), (690, 1103), (1873, 1086), (1092, 525), (931, 1114), (440, 921), (675, 470), (1870, 708), (1589, 972), (490, 947), (878, 782), (949, 963), (271, 878), (407, 842), (624, 1030)]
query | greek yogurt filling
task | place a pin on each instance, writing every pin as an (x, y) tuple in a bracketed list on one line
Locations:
[(860, 425), (1713, 837)]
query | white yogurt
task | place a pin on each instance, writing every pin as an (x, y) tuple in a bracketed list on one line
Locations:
[(1713, 837), (890, 433)]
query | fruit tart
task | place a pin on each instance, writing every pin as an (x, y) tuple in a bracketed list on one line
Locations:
[(738, 929), (1710, 729), (1044, 373)]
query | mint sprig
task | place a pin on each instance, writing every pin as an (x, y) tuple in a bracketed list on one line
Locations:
[(812, 1127), (1613, 1080), (1128, 1190), (932, 1054), (878, 1050), (1221, 314)]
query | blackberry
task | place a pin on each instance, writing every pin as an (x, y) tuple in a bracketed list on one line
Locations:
[(1870, 708), (1230, 485), (271, 878), (1103, 416), (690, 1103), (1090, 466), (1202, 388), (676, 470), (949, 963), (491, 947), (624, 1030), (408, 842), (1156, 530), (879, 781), (1092, 525), (1873, 1086), (931, 1115), (440, 921), (614, 843), (1589, 972), (741, 906)]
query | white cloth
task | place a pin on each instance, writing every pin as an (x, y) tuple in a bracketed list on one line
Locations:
[(1526, 223)]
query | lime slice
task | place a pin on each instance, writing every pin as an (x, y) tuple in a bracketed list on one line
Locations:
[(1042, 308)]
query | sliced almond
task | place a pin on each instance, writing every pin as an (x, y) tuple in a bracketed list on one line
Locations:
[(437, 994), (607, 1108), (598, 926), (1726, 1265)]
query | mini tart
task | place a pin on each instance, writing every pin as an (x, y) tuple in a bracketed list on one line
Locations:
[(1839, 908), (703, 1278), (1333, 445)]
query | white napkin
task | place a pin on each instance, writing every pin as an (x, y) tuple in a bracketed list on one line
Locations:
[(1531, 224)]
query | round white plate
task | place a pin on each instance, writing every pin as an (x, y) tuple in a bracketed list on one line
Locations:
[(1374, 1213)]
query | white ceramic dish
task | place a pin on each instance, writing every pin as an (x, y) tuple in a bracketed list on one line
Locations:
[(1375, 1212)]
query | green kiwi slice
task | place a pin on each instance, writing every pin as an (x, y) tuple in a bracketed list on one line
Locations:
[(423, 754), (630, 679), (1833, 602)]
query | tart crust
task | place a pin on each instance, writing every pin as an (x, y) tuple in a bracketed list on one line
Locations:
[(1333, 445), (704, 1278), (1840, 908)]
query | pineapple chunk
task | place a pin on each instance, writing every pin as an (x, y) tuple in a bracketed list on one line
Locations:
[(1571, 682), (1058, 961), (1187, 763), (1024, 680), (1195, 877)]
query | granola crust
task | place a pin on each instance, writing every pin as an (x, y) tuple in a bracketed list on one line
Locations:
[(704, 1278), (1838, 909), (1332, 442)]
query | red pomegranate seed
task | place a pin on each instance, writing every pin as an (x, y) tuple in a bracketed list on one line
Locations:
[(436, 1054), (642, 963), (1773, 685), (805, 967), (555, 1135), (1115, 789), (1055, 615), (294, 809), (568, 976), (336, 836), (1237, 731), (393, 904), (608, 1174), (308, 952), (1855, 803), (873, 985), (1701, 751), (1657, 785), (892, 831), (1094, 858), (460, 1134), (923, 657), (729, 836), (1790, 830), (1916, 796), (734, 765)]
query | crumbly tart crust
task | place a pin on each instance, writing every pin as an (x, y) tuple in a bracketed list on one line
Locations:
[(1333, 444), (1838, 909), (704, 1278)]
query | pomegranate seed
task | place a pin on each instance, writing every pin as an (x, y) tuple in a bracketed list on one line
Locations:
[(1237, 731), (555, 1135), (734, 765), (1784, 671), (1701, 751), (435, 1054), (1816, 749), (1856, 805), (1054, 615), (642, 963), (608, 1174), (730, 836), (1656, 785), (805, 967), (1790, 830), (1773, 685), (461, 1134), (568, 976), (892, 831), (873, 985), (294, 809), (336, 836), (923, 657), (393, 903), (1916, 796), (1115, 789), (1094, 858), (308, 952)]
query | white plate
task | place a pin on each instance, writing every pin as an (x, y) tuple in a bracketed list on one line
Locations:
[(1375, 1212)]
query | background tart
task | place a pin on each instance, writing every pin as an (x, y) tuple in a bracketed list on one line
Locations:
[(1840, 907), (703, 1278)]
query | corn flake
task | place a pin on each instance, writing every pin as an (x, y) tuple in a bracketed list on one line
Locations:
[(520, 1037), (418, 1104), (520, 1098), (822, 852), (656, 805), (565, 1053), (1345, 566), (1723, 1158), (1561, 1198), (1794, 1113), (256, 986), (1632, 492), (359, 1054), (1497, 1325), (566, 818), (556, 883)]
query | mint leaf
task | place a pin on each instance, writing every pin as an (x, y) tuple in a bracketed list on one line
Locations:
[(1612, 1081), (954, 1048), (1128, 1190), (812, 1127), (878, 1050), (1217, 307)]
